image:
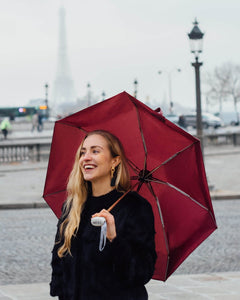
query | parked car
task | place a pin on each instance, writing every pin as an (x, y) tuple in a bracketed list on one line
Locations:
[(208, 120)]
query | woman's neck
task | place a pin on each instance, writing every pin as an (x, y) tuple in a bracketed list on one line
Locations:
[(100, 189)]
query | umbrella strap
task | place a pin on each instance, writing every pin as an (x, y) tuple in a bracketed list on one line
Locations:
[(103, 236)]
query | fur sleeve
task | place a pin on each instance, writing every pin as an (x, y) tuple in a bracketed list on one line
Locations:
[(56, 283), (133, 251)]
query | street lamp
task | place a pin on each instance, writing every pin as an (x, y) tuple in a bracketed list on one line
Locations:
[(135, 87), (46, 94), (196, 43), (88, 94), (46, 99), (170, 86)]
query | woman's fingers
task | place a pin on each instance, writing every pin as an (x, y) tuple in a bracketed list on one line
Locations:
[(104, 213), (111, 229)]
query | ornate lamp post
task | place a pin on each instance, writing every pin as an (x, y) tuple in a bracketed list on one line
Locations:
[(135, 87), (196, 42)]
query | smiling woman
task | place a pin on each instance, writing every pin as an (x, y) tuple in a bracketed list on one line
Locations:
[(121, 269), (96, 163)]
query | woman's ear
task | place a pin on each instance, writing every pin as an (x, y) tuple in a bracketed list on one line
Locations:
[(116, 161)]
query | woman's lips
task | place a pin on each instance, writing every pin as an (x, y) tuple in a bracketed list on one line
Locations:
[(89, 167)]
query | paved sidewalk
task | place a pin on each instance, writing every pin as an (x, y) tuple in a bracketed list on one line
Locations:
[(216, 286)]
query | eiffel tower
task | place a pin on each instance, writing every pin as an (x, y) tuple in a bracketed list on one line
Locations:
[(63, 90)]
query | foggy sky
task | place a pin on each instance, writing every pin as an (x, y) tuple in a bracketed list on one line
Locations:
[(112, 42)]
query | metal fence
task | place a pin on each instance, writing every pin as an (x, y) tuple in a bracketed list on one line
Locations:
[(222, 139)]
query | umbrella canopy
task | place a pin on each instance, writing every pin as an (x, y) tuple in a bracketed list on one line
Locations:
[(165, 164)]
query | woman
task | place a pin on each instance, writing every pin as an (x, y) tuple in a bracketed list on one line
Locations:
[(79, 270)]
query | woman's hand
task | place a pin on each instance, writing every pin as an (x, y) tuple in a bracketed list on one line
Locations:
[(111, 228)]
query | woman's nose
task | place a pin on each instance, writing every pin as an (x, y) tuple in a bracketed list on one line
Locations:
[(87, 156)]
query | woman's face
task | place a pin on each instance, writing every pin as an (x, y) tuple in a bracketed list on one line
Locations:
[(96, 160)]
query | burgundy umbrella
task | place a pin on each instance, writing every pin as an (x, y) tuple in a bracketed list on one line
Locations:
[(166, 168)]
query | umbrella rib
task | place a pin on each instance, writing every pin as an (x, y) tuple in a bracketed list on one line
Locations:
[(180, 191), (170, 158), (71, 125), (162, 221), (157, 201), (143, 139), (54, 193), (133, 166), (139, 186)]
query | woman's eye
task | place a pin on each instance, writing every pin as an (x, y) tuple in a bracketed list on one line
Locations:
[(82, 153), (95, 151)]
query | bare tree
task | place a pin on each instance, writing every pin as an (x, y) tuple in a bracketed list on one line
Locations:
[(233, 88), (224, 85), (216, 91)]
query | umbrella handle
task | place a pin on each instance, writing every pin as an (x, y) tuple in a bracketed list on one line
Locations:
[(118, 200), (98, 221)]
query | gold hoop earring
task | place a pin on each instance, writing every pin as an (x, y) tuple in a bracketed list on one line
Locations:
[(112, 171)]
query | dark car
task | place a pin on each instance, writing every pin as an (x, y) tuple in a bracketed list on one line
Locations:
[(208, 120)]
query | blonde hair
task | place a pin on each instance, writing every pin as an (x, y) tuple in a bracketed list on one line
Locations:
[(78, 189)]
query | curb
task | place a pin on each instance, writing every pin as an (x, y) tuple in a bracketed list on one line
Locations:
[(225, 197), (8, 206), (22, 169), (14, 138), (222, 153)]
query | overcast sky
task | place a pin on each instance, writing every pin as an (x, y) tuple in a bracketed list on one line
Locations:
[(112, 42)]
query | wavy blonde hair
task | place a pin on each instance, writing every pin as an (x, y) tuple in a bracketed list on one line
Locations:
[(78, 189)]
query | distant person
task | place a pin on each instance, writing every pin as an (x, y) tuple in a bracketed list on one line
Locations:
[(5, 126), (40, 122), (35, 122), (182, 121)]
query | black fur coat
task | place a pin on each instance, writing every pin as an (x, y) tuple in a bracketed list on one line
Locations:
[(125, 265)]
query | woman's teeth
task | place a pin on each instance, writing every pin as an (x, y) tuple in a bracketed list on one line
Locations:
[(89, 167)]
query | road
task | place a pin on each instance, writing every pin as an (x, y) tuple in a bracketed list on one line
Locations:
[(26, 240)]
